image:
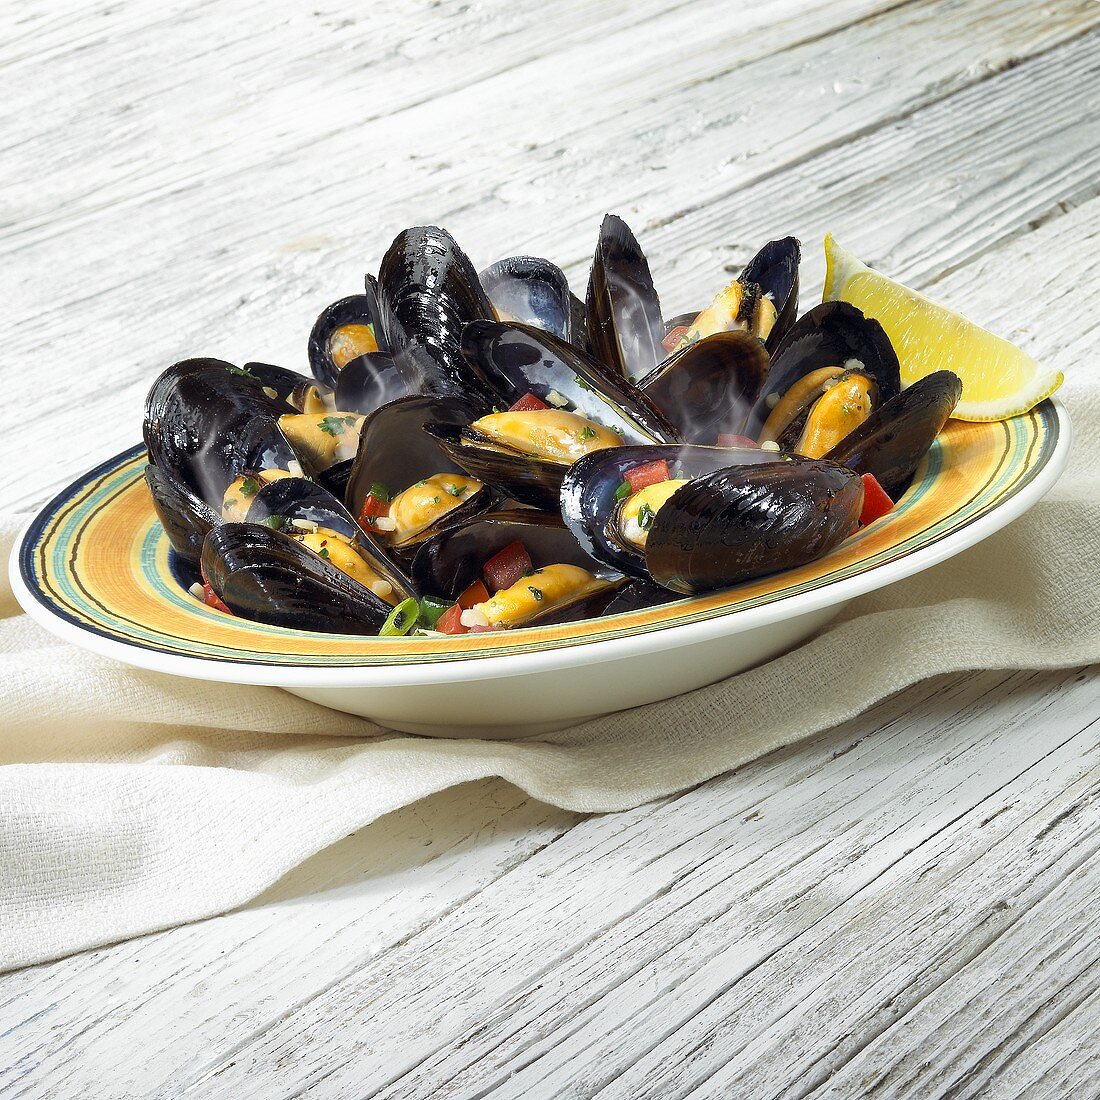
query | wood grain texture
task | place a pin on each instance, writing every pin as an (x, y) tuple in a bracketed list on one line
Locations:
[(898, 908)]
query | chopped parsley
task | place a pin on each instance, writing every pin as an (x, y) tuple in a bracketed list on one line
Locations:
[(274, 522), (456, 490), (335, 425), (645, 517), (239, 371), (377, 489), (436, 499), (421, 484), (323, 552), (586, 433), (581, 382), (623, 491), (536, 592), (250, 487)]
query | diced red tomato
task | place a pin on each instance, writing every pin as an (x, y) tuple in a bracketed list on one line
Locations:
[(476, 593), (649, 473), (211, 599), (373, 508), (730, 439), (876, 501), (528, 402), (506, 566), (675, 335), (450, 622)]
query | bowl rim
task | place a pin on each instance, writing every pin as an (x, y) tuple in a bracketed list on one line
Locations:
[(553, 658)]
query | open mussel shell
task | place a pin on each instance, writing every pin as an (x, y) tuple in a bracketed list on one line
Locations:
[(896, 436), (533, 291), (450, 562), (369, 382), (637, 595), (775, 270), (747, 521), (207, 422), (622, 307), (588, 493), (833, 334), (263, 574), (186, 519), (519, 359), (395, 451), (344, 330), (708, 388), (428, 291)]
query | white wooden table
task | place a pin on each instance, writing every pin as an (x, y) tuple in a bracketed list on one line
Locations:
[(903, 907)]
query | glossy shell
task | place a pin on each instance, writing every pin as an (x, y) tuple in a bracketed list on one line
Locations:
[(369, 382), (898, 434), (831, 334), (588, 489), (775, 269), (429, 291), (530, 290), (186, 519), (709, 387), (206, 422), (264, 575), (622, 307), (356, 309)]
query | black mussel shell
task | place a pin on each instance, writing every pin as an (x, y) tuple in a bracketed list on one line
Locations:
[(830, 334), (708, 388), (206, 422), (186, 519), (429, 290), (369, 382), (356, 309), (450, 562), (519, 359), (289, 386), (395, 451), (897, 435), (775, 270), (747, 521), (622, 307), (264, 575), (281, 502), (637, 595), (588, 502), (530, 290)]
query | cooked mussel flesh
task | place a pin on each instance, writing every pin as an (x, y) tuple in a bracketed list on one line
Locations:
[(344, 331)]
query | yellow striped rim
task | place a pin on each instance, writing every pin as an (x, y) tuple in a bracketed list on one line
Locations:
[(96, 556)]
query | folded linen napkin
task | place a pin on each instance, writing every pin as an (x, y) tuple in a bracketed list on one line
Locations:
[(131, 801)]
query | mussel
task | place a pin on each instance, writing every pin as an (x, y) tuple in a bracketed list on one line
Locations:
[(428, 291), (707, 388), (403, 487), (622, 307), (698, 518), (556, 581), (532, 291), (186, 518), (555, 405), (896, 436), (298, 391), (833, 369), (344, 331), (264, 574), (208, 423)]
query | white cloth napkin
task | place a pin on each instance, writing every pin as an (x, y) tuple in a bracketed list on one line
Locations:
[(131, 801)]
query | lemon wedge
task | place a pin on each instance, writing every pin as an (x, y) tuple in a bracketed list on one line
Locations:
[(999, 380)]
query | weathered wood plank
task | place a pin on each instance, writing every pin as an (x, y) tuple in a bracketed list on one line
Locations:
[(239, 265), (741, 879)]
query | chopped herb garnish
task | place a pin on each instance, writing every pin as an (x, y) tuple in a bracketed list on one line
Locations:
[(623, 491), (334, 425), (240, 371), (436, 499), (250, 486), (323, 551), (421, 484), (581, 382), (536, 592), (377, 489), (456, 490), (274, 522), (645, 517), (618, 429), (586, 433)]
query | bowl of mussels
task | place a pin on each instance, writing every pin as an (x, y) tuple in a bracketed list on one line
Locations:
[(493, 506)]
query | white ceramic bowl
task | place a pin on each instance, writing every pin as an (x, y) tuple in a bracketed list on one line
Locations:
[(94, 568)]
